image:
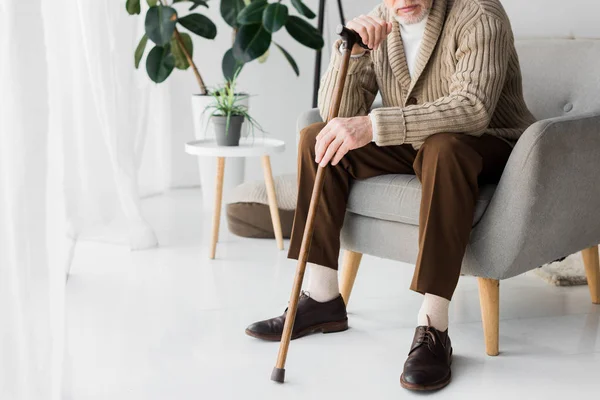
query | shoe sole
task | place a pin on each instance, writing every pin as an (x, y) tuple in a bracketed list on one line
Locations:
[(327, 327), (427, 388)]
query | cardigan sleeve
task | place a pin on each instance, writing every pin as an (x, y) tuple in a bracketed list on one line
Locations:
[(475, 88), (360, 87)]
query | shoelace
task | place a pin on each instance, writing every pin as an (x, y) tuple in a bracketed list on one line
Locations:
[(427, 336), (303, 294)]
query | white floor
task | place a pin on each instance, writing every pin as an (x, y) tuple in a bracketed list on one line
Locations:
[(169, 324)]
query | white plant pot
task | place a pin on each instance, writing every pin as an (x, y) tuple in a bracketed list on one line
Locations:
[(234, 166)]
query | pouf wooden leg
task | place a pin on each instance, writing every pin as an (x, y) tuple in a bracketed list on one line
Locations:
[(217, 210), (350, 266), (489, 298), (592, 271), (266, 164)]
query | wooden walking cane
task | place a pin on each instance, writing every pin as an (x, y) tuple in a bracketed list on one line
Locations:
[(349, 38)]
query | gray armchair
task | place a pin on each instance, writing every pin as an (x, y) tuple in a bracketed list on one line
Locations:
[(544, 207)]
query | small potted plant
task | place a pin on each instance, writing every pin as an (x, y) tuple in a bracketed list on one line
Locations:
[(228, 114)]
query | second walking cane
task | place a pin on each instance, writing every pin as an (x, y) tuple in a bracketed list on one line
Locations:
[(349, 39)]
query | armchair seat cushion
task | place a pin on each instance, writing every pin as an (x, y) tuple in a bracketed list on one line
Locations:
[(397, 198)]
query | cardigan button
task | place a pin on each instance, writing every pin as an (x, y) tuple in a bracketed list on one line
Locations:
[(411, 101)]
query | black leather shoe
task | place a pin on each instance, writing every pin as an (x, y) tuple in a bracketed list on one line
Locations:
[(429, 360), (311, 317)]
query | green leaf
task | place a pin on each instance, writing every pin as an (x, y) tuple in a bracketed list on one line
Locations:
[(304, 32), (181, 61), (251, 42), (252, 13), (139, 51), (275, 16), (303, 9), (160, 24), (230, 10), (198, 3), (152, 3), (160, 63), (200, 25), (132, 6), (290, 59), (230, 65)]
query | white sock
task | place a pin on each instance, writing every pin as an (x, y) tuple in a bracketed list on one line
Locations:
[(436, 308), (322, 283)]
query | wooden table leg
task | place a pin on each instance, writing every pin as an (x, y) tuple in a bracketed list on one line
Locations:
[(266, 163), (217, 210)]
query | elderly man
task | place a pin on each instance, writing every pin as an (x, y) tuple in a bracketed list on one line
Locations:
[(453, 108)]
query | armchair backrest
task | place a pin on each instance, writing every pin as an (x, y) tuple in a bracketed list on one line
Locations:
[(560, 76)]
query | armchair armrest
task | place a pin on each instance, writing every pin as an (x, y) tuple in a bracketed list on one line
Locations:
[(547, 203)]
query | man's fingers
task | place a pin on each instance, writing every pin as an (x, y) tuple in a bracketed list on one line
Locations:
[(364, 27), (321, 146), (331, 150), (339, 154), (378, 26), (323, 131), (372, 29)]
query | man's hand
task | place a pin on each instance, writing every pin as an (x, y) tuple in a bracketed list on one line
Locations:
[(340, 136), (372, 31)]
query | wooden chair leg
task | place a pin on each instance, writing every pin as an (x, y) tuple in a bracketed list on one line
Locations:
[(350, 265), (592, 271), (489, 298)]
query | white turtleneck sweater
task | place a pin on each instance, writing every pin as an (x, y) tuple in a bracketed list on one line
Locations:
[(412, 36)]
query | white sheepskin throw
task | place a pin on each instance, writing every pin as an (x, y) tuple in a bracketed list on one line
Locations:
[(286, 191), (568, 272)]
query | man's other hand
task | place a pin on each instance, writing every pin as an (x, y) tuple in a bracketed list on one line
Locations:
[(372, 30), (340, 136)]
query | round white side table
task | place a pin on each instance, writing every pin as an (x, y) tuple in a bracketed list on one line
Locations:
[(259, 147)]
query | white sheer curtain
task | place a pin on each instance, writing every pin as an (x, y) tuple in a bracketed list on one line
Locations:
[(124, 135), (33, 252), (99, 102), (83, 137)]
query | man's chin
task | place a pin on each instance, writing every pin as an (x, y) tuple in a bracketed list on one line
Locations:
[(410, 20)]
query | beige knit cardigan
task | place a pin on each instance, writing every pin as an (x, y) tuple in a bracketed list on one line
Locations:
[(467, 78)]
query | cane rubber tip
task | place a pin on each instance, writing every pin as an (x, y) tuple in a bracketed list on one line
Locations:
[(278, 375)]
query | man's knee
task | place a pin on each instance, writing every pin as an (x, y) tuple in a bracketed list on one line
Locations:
[(446, 145), (448, 150), (308, 137), (443, 142)]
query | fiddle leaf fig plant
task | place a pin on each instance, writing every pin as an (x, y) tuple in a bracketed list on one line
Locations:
[(255, 22), (172, 48)]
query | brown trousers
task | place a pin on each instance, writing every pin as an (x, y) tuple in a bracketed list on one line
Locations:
[(450, 168)]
